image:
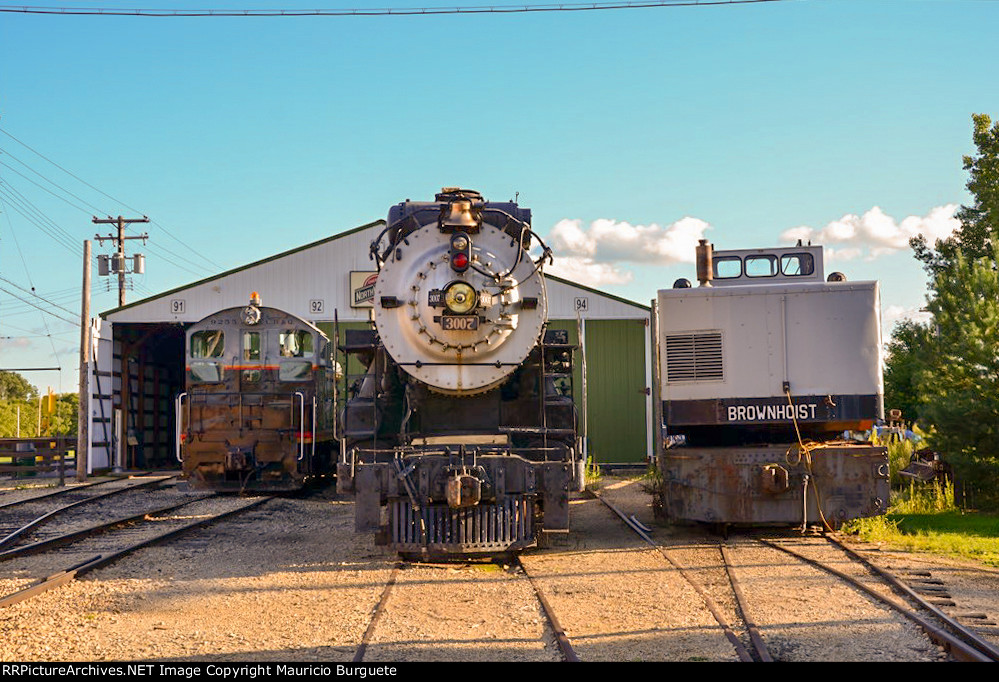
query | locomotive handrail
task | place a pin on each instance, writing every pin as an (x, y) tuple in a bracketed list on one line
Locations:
[(179, 401), (314, 403), (301, 425)]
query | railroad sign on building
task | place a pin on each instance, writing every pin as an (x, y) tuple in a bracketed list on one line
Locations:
[(362, 289)]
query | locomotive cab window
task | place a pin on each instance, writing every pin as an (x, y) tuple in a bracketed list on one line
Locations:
[(727, 267), (761, 266), (251, 345), (295, 370), (208, 343), (205, 372), (295, 343), (797, 264)]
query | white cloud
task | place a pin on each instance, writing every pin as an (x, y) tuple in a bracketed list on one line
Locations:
[(587, 271), (891, 315), (875, 233), (832, 254), (611, 241)]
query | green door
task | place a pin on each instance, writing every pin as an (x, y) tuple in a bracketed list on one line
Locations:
[(616, 427)]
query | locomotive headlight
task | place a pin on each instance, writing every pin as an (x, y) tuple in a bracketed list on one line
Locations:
[(460, 254), (460, 298)]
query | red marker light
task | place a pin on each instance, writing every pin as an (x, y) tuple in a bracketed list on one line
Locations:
[(460, 261)]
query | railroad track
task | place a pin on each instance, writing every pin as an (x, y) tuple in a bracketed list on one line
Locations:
[(60, 559), (562, 643), (69, 492), (878, 585), (35, 519), (962, 643), (561, 639)]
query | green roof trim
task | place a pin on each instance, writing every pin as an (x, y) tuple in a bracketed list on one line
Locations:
[(619, 299), (244, 267)]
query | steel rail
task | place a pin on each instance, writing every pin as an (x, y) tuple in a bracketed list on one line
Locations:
[(561, 639), (67, 538), (754, 632), (45, 518), (740, 649), (970, 637), (956, 647), (379, 608), (102, 560), (63, 491)]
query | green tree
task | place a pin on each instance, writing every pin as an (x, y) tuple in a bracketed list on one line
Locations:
[(65, 419), (9, 417), (958, 385), (903, 365), (980, 221), (15, 387), (19, 396), (947, 372)]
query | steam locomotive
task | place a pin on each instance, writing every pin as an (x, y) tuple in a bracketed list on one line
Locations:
[(257, 413), (764, 370), (460, 436)]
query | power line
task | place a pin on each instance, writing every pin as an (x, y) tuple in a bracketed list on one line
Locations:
[(78, 198), (68, 172), (76, 206), (20, 204), (44, 310), (4, 279), (373, 12)]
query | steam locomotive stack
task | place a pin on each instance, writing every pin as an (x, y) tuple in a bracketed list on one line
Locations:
[(460, 437)]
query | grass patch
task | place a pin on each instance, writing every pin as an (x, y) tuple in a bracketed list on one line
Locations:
[(965, 535), (594, 475), (925, 519)]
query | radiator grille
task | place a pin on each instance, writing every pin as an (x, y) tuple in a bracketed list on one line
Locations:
[(694, 357)]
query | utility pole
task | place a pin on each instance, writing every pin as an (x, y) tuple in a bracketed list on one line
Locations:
[(118, 260), (83, 415)]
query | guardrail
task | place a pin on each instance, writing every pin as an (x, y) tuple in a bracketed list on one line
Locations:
[(22, 457)]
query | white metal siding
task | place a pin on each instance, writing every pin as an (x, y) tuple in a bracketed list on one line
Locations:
[(832, 334)]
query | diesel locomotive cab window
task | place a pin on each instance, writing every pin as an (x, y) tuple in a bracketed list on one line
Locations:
[(295, 370), (208, 343), (727, 267), (797, 264), (206, 372), (761, 266), (251, 345), (295, 343)]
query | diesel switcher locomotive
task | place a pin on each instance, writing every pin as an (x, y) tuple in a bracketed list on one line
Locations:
[(460, 436), (257, 412), (765, 369)]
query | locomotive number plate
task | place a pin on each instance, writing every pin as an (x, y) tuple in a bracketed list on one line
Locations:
[(455, 323)]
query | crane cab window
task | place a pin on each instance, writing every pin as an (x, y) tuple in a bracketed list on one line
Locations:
[(295, 343), (207, 343), (797, 264), (761, 266), (727, 267), (251, 345)]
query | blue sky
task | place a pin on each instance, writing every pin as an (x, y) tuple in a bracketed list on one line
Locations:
[(629, 132)]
